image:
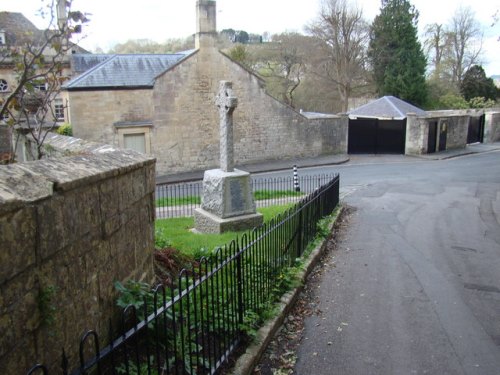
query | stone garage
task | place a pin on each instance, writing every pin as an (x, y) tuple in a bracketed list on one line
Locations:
[(380, 127)]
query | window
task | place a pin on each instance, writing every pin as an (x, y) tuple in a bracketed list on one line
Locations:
[(59, 110), (3, 85), (136, 142), (134, 135), (40, 86)]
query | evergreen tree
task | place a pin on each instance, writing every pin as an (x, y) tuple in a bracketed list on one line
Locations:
[(475, 84), (396, 55)]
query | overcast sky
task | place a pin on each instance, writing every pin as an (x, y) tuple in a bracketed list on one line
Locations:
[(116, 21)]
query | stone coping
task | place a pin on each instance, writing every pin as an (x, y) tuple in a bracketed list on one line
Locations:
[(87, 162)]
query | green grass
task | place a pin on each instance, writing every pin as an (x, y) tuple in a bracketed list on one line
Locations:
[(176, 232), (258, 195), (274, 194), (169, 202)]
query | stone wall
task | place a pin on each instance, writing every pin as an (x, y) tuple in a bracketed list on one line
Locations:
[(492, 126), (94, 114), (69, 228), (457, 126), (417, 133)]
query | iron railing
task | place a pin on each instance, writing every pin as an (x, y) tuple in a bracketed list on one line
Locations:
[(175, 200), (195, 326)]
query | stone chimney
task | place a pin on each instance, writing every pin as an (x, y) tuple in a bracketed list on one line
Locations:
[(206, 24), (62, 16)]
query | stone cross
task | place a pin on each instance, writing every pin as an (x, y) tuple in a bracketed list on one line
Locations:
[(226, 103)]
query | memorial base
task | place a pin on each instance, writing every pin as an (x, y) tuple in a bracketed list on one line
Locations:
[(206, 222)]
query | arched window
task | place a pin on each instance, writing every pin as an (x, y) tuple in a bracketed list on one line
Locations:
[(4, 86)]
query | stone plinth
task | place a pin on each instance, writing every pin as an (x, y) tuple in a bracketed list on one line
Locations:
[(227, 203)]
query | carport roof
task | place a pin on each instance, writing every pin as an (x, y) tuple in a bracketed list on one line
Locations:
[(387, 107)]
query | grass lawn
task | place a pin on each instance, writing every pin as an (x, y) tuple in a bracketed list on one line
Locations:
[(195, 199), (177, 233)]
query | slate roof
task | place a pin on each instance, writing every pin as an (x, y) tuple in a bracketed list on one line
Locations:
[(386, 107), (18, 29), (124, 71), (80, 63)]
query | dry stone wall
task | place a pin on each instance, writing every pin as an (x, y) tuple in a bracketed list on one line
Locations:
[(69, 228)]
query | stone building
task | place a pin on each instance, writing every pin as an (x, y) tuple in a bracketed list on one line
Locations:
[(16, 32), (163, 105)]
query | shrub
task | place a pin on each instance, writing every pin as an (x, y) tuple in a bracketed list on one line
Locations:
[(65, 129)]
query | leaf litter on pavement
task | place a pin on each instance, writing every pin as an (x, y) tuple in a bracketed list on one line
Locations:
[(280, 356)]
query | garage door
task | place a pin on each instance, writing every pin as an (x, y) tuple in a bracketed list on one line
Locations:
[(373, 136)]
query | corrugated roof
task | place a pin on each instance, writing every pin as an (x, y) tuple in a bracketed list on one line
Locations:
[(386, 107), (125, 71)]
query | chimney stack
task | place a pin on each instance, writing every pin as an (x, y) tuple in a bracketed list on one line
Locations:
[(206, 23), (62, 16)]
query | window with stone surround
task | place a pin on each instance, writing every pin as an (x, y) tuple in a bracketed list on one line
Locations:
[(59, 109), (134, 136)]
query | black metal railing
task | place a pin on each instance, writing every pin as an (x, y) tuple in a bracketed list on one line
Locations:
[(194, 327), (181, 199)]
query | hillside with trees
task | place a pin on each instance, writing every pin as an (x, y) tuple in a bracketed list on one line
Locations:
[(342, 59)]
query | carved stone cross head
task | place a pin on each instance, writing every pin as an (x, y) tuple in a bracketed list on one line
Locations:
[(226, 103), (225, 100)]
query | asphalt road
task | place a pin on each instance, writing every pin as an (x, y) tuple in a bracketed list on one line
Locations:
[(414, 286)]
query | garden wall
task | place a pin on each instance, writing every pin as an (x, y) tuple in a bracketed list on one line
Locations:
[(69, 227), (492, 126)]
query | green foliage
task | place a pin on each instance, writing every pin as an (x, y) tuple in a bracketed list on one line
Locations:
[(161, 240), (131, 368), (46, 305), (395, 53), (475, 84), (135, 293), (240, 54), (138, 294), (451, 101), (481, 102), (65, 129)]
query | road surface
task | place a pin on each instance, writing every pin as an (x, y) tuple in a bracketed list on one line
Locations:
[(414, 286)]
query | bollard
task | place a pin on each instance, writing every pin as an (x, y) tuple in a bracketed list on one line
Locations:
[(296, 178)]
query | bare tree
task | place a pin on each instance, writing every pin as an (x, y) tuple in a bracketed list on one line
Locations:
[(282, 64), (39, 63), (436, 45), (342, 35), (465, 40)]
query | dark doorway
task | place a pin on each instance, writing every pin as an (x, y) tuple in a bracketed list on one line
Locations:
[(431, 142), (443, 133), (373, 136), (476, 129), (362, 136)]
